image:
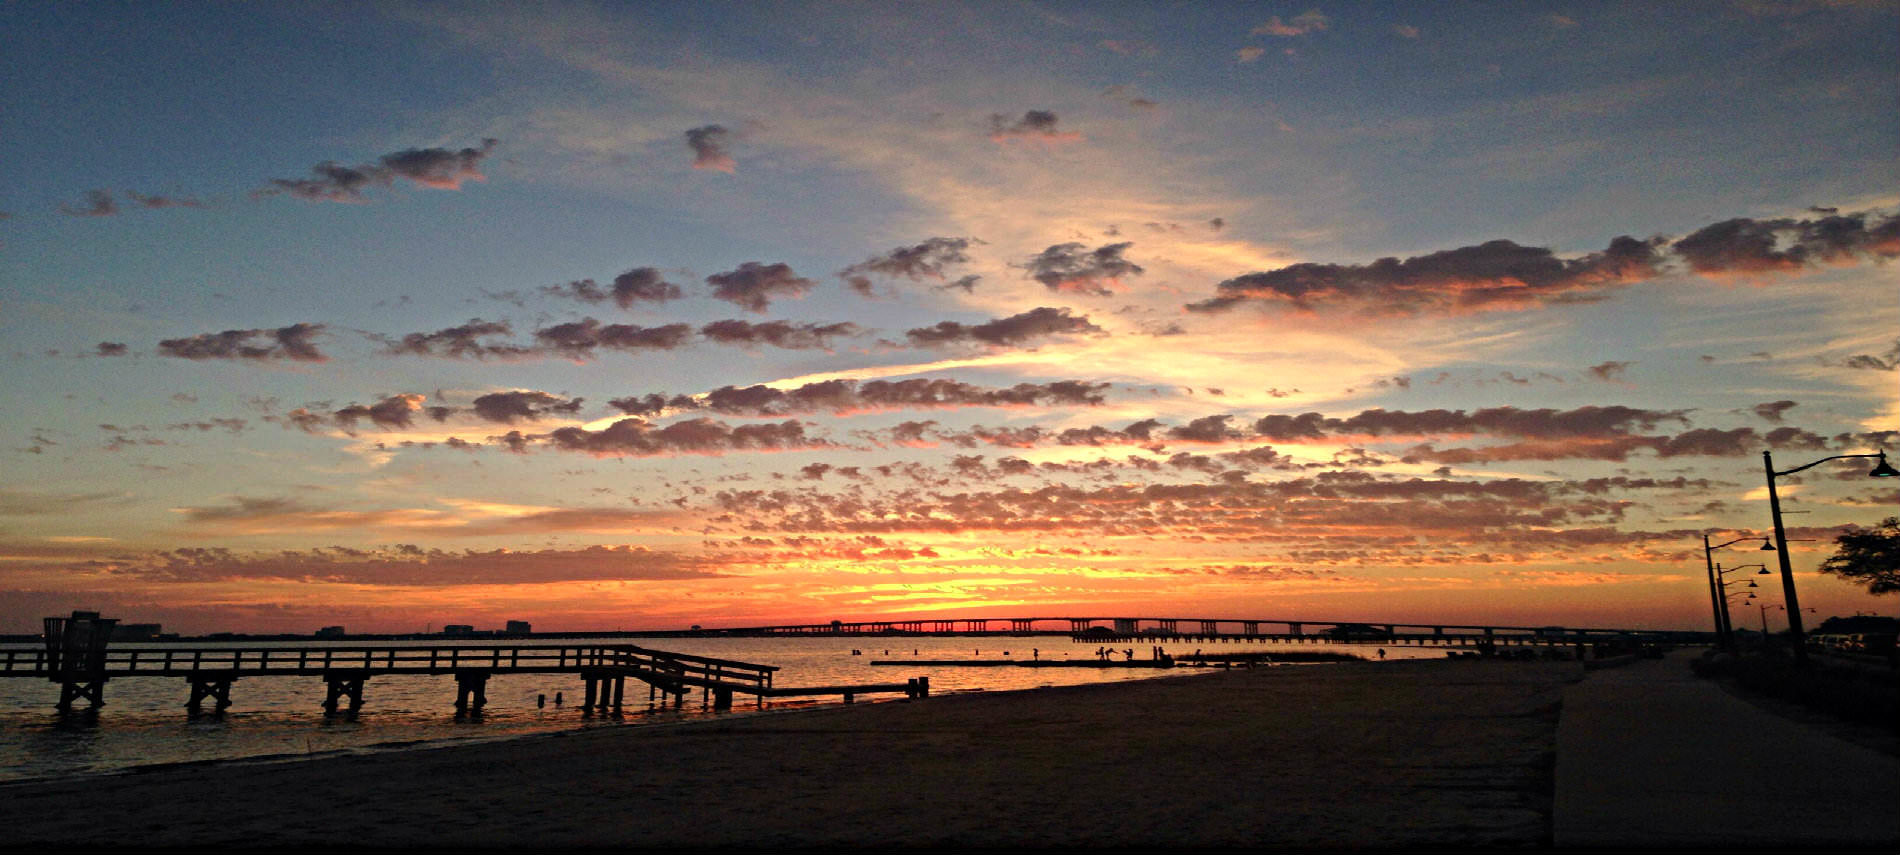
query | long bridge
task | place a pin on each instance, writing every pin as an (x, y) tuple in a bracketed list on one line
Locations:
[(1301, 630), (78, 657)]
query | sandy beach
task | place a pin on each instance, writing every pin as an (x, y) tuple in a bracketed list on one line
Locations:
[(1412, 754)]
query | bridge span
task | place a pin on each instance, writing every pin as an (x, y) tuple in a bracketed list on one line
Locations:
[(1083, 628)]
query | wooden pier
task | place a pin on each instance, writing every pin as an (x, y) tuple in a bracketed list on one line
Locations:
[(77, 657)]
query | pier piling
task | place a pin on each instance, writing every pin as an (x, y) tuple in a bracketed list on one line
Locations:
[(216, 688), (338, 686), (471, 690)]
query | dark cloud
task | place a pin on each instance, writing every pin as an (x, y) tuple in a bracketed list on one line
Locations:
[(1075, 268), (1012, 331), (709, 148), (506, 407), (1772, 411), (98, 204), (1609, 372), (1887, 361), (438, 168), (579, 339), (111, 348), (300, 418), (466, 341), (1745, 245), (926, 260), (850, 397), (753, 285), (395, 411), (234, 425), (635, 437), (639, 285), (1499, 274), (1037, 125), (293, 342), (781, 334), (1207, 429), (145, 201)]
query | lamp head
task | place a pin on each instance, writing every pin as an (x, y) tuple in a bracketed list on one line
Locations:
[(1767, 546), (1762, 572), (1883, 469)]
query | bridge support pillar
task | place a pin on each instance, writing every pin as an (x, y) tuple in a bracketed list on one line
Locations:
[(93, 691), (722, 699), (340, 686), (471, 691), (216, 689), (620, 692)]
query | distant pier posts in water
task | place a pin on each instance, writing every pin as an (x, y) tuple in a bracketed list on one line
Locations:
[(343, 684), (215, 687), (471, 691)]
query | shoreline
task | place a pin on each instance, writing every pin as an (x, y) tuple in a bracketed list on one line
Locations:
[(699, 716), (1420, 753)]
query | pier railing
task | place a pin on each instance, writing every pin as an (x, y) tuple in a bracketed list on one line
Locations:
[(172, 661)]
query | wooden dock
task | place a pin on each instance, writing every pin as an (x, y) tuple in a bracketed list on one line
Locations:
[(82, 664)]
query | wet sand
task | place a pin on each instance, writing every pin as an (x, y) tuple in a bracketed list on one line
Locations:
[(1419, 754)]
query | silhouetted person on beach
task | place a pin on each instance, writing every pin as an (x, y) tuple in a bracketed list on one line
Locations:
[(1381, 653), (1035, 653), (540, 701), (557, 699)]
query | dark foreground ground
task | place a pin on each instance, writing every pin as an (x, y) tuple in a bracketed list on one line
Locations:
[(1422, 754)]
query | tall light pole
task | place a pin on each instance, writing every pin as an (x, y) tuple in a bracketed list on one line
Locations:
[(1796, 635), (1724, 638), (1728, 623)]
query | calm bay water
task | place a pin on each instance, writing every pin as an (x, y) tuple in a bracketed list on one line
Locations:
[(280, 718)]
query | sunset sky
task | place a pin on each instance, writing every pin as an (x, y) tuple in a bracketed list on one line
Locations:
[(646, 315)]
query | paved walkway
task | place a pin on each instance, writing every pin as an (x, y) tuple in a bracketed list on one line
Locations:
[(1650, 755)]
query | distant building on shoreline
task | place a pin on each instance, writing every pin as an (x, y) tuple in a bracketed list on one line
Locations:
[(137, 631), (330, 632), (520, 627)]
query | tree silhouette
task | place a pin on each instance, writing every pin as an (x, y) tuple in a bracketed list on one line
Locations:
[(1870, 556)]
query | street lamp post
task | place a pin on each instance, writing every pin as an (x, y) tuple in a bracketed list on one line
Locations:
[(1728, 623), (1724, 637), (1796, 635)]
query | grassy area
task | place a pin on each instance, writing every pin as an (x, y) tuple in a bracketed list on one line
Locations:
[(1867, 695)]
